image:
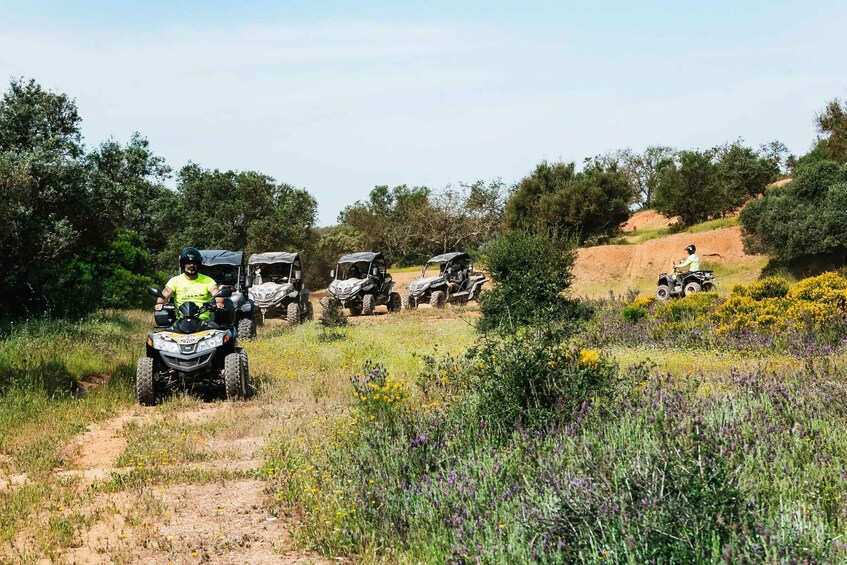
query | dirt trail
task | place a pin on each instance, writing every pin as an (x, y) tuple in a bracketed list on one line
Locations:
[(222, 521)]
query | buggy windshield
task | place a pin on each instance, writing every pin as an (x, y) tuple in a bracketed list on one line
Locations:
[(357, 270), (223, 274), (279, 273)]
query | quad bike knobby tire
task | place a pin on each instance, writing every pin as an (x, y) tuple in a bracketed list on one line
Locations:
[(395, 303), (245, 373), (246, 329), (233, 378), (709, 287), (144, 382), (691, 288), (292, 313), (663, 292), (368, 304), (437, 299), (409, 303)]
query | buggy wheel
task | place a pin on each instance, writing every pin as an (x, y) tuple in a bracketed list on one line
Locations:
[(245, 374), (663, 292), (144, 382), (409, 303), (691, 288), (368, 304), (436, 300), (233, 381), (310, 312), (325, 303), (355, 310), (395, 303), (476, 292), (292, 313), (246, 329)]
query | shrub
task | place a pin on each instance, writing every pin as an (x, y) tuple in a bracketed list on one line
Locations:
[(771, 287), (532, 380), (530, 272), (633, 313)]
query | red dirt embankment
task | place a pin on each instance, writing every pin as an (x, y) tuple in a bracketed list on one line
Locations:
[(616, 267)]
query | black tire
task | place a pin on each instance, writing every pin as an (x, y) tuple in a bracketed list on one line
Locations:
[(246, 329), (663, 292), (245, 374), (292, 313), (368, 304), (409, 303), (233, 381), (437, 299), (310, 312), (355, 310), (144, 390), (476, 293), (710, 287), (326, 302), (691, 288), (395, 303)]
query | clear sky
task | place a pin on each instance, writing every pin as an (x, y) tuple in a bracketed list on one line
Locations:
[(338, 96)]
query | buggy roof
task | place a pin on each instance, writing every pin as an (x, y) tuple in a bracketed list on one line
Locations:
[(273, 257), (214, 257), (361, 256), (447, 257)]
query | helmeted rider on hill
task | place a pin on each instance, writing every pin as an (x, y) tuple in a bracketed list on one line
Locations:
[(191, 285), (692, 262)]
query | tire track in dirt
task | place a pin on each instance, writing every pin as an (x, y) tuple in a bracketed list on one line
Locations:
[(223, 521)]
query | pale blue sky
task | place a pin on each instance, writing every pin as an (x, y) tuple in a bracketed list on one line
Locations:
[(337, 97)]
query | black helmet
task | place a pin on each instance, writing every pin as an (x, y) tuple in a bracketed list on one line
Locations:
[(691, 249), (190, 255)]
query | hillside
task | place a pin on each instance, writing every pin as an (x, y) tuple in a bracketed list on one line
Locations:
[(617, 267)]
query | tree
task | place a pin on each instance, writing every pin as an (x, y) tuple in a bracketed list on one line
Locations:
[(701, 185), (642, 169), (832, 124), (805, 218), (556, 198)]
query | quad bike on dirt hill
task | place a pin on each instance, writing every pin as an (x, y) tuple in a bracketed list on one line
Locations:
[(277, 287), (360, 284), (679, 283), (225, 267), (192, 351), (447, 278)]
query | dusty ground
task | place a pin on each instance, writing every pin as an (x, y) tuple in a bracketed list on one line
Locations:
[(223, 520)]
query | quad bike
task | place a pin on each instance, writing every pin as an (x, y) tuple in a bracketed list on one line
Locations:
[(192, 351), (225, 268), (360, 284), (276, 287), (680, 283), (451, 279)]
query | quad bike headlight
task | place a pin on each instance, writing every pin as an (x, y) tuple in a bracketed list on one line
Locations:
[(210, 342), (165, 344)]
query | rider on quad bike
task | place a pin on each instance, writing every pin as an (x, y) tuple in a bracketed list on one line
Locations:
[(692, 262), (190, 285), (682, 282)]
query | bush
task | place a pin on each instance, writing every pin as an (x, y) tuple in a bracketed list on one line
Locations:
[(531, 380), (530, 272), (632, 313)]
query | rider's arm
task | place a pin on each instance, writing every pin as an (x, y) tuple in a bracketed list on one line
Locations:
[(219, 300), (166, 292)]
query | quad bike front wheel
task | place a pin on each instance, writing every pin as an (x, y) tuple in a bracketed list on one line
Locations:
[(245, 373), (233, 378), (368, 304), (246, 329), (663, 292), (691, 288), (144, 382), (709, 287), (292, 313)]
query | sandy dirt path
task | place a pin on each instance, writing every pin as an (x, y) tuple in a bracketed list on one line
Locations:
[(224, 520)]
